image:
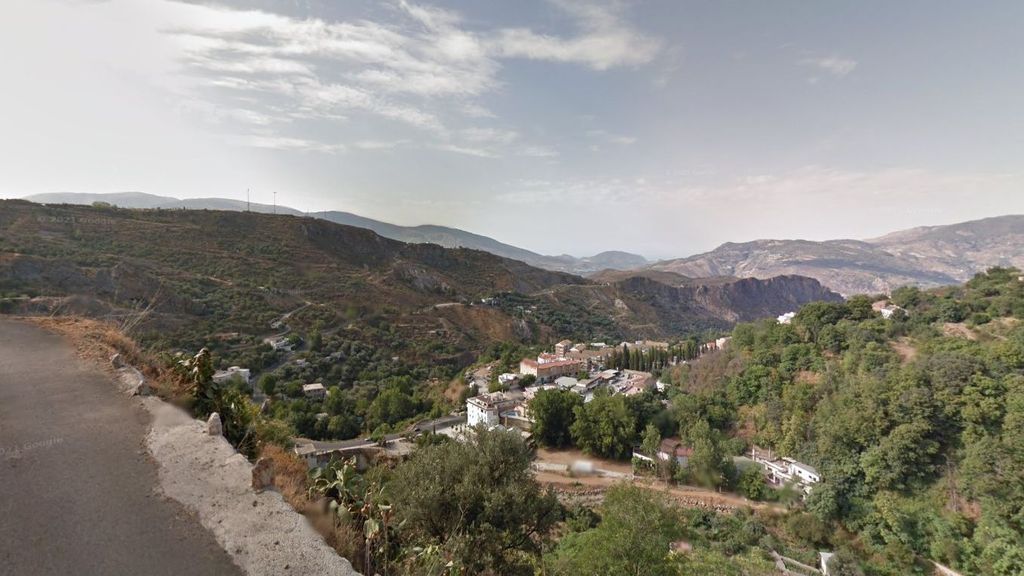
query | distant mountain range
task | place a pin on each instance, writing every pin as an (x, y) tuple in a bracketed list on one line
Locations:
[(440, 235), (187, 275), (927, 256)]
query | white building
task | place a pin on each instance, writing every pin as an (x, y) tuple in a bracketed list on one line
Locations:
[(784, 470), (566, 382), (223, 376), (279, 343), (314, 391), (487, 409), (886, 308), (804, 473), (786, 318), (562, 348)]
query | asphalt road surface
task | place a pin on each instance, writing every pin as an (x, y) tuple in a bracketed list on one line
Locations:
[(76, 486)]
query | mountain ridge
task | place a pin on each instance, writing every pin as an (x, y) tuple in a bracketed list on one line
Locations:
[(425, 233), (927, 256), (192, 273)]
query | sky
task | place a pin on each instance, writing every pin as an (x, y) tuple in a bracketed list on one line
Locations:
[(661, 127)]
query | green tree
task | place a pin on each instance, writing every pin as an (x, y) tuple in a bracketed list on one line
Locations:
[(651, 441), (633, 538), (752, 483), (844, 563), (605, 426), (705, 466), (477, 501), (268, 384), (553, 413), (390, 407)]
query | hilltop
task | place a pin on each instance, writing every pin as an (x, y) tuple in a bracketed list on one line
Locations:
[(925, 257), (196, 273), (440, 235)]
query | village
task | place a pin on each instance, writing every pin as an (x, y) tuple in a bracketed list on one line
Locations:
[(583, 370)]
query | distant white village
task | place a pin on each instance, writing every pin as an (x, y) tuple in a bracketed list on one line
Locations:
[(560, 370), (580, 368)]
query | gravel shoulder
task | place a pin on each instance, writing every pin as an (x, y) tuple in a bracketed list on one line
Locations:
[(77, 487), (96, 481)]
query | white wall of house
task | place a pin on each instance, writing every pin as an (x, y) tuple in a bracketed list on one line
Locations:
[(805, 475), (476, 414)]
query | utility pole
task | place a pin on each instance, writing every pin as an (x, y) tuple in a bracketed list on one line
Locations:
[(275, 202), (248, 207)]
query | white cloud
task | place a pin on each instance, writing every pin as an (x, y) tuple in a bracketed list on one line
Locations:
[(479, 152), (802, 190), (404, 69), (379, 144), (538, 152), (606, 39), (605, 136), (273, 142), (834, 65), (477, 111), (421, 68), (490, 135)]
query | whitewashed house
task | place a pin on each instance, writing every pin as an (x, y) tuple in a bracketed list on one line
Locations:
[(487, 409), (785, 470), (224, 376), (314, 391)]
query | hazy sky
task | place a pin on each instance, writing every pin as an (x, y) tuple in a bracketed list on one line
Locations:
[(661, 127)]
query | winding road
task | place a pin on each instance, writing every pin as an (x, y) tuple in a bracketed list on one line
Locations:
[(77, 490)]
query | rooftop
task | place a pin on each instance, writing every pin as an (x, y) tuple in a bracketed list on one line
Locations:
[(492, 400)]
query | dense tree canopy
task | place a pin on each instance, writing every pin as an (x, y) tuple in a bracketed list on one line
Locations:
[(477, 501), (605, 426), (553, 413), (916, 422)]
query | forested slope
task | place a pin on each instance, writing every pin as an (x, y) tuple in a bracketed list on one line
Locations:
[(916, 422)]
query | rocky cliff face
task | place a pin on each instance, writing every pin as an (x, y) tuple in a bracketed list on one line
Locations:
[(720, 302)]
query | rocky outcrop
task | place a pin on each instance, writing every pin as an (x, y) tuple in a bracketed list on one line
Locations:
[(928, 256), (724, 302)]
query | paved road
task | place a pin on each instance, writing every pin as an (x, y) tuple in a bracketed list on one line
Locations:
[(76, 487), (422, 426)]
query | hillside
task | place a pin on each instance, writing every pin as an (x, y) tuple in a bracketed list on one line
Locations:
[(847, 266), (440, 235), (198, 273), (925, 257), (204, 272), (961, 250), (915, 422)]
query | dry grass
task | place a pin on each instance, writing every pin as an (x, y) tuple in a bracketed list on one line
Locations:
[(93, 340), (809, 377), (289, 475), (97, 341), (290, 479), (905, 349), (958, 330)]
